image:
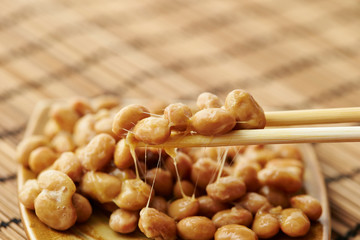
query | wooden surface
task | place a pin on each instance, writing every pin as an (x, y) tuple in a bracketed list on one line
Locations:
[(289, 54), (97, 227)]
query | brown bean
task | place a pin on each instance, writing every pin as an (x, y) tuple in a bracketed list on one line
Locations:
[(63, 142), (123, 221), (152, 130), (247, 162), (275, 196), (288, 179), (102, 113), (100, 186), (79, 151), (212, 121), (159, 203), (196, 228), (226, 189), (98, 152), (183, 164), (275, 211), (232, 216), (105, 102), (82, 206), (203, 172), (183, 207), (128, 117), (258, 154), (26, 146), (141, 167), (69, 164), (157, 106), (235, 232), (265, 225), (217, 152), (84, 130), (285, 162), (104, 125), (210, 152), (187, 187), (163, 184), (122, 155), (81, 105), (234, 151), (134, 195), (178, 115), (41, 158), (253, 202), (65, 116), (53, 206), (150, 155), (294, 222), (51, 128), (208, 100), (157, 225), (208, 206), (28, 193), (287, 151), (308, 204), (245, 109), (247, 173), (123, 174)]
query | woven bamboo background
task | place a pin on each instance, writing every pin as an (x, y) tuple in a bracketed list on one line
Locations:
[(289, 54)]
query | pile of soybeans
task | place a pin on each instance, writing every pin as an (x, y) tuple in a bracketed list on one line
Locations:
[(87, 157)]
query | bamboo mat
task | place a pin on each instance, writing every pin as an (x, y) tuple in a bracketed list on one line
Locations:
[(289, 54)]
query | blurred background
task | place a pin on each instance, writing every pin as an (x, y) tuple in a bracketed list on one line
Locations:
[(289, 54)]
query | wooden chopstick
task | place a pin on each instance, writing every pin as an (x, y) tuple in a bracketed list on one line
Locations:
[(313, 116), (264, 136)]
